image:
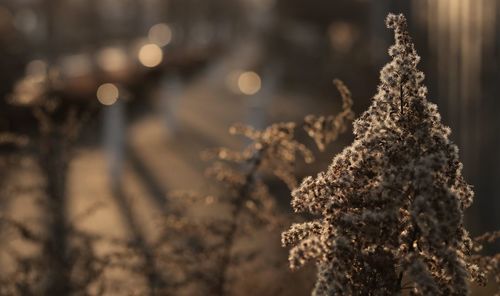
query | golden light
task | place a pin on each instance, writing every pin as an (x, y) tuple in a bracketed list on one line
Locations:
[(150, 55), (107, 94), (249, 83), (76, 65), (160, 34), (27, 91), (112, 59), (342, 36), (37, 70)]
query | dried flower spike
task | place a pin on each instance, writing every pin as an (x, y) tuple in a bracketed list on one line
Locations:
[(326, 129), (390, 206)]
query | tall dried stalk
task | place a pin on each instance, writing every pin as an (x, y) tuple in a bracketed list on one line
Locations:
[(390, 206), (275, 150)]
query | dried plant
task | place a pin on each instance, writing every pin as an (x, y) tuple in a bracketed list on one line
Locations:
[(59, 128), (274, 149), (34, 273), (390, 206), (488, 266), (64, 259), (203, 250), (325, 129)]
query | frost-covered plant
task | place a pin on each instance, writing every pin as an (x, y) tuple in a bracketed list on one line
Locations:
[(390, 206)]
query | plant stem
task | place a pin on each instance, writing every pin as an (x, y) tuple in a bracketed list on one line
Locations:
[(230, 237), (401, 97)]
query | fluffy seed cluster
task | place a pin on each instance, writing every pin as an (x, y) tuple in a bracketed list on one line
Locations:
[(326, 129), (390, 206), (274, 148)]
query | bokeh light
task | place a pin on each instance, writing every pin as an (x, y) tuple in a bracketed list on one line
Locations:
[(160, 34), (150, 55), (249, 83), (76, 65), (342, 36), (26, 20), (107, 94), (112, 59), (37, 69)]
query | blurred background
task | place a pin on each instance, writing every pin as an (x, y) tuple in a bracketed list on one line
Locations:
[(159, 81)]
